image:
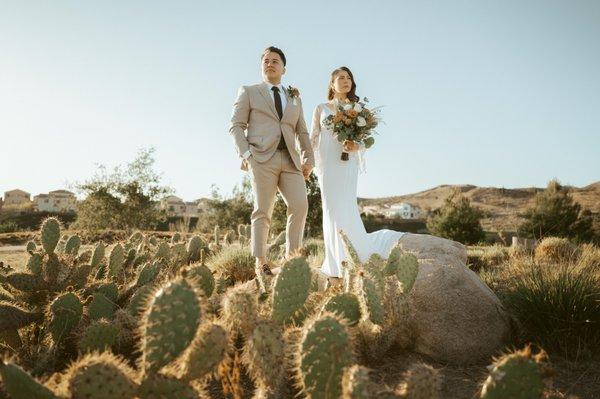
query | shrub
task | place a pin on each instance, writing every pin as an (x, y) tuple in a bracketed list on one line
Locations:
[(457, 220), (8, 227), (556, 214), (558, 308), (233, 262), (555, 249)]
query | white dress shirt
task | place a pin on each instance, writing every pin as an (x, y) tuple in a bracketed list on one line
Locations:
[(281, 94)]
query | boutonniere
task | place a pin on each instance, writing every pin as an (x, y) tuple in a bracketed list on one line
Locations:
[(293, 93)]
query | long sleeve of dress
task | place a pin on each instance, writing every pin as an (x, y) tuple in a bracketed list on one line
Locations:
[(315, 135), (315, 131), (362, 165)]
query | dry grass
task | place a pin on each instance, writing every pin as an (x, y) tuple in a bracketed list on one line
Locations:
[(15, 258)]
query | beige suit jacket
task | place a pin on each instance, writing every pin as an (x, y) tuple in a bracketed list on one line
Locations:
[(255, 125)]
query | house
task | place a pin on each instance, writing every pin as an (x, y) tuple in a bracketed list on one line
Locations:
[(55, 201), (175, 206), (16, 197), (371, 210), (404, 211)]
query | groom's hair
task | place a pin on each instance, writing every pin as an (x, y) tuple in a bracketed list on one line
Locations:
[(273, 49)]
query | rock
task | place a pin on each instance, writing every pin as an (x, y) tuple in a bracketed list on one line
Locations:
[(454, 316)]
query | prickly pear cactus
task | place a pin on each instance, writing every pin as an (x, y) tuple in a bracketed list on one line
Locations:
[(206, 352), (72, 245), (324, 352), (100, 335), (263, 353), (350, 250), (194, 246), (20, 385), (136, 237), (423, 382), (291, 288), (516, 375), (100, 376), (179, 254), (30, 246), (138, 300), (50, 234), (163, 251), (13, 317), (101, 307), (64, 313), (104, 302), (408, 269), (116, 259), (169, 324), (356, 383), (147, 273), (34, 264), (203, 277), (370, 300), (176, 237), (345, 305), (240, 310), (160, 386), (98, 255), (22, 281)]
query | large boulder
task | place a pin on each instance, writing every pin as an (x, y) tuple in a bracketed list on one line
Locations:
[(454, 316)]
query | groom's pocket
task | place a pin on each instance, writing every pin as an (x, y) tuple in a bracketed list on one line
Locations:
[(255, 140)]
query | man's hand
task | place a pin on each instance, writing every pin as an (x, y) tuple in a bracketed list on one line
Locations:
[(306, 170)]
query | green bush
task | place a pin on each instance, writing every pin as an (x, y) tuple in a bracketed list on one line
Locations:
[(8, 227), (556, 214), (557, 307), (457, 220)]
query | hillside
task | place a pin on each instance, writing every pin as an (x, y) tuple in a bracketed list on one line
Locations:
[(502, 204)]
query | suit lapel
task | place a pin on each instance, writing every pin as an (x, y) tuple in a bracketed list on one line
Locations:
[(264, 90), (287, 103)]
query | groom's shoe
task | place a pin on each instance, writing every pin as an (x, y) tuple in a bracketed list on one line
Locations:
[(266, 270)]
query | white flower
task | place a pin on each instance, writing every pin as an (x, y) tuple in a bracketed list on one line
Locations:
[(347, 107), (360, 121), (357, 107)]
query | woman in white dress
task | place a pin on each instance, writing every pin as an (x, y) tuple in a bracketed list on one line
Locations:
[(338, 182)]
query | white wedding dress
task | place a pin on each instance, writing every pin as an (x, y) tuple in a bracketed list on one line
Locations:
[(338, 181)]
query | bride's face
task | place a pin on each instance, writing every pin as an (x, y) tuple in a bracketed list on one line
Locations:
[(342, 83)]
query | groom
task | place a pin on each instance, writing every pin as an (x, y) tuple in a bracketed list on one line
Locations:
[(266, 124)]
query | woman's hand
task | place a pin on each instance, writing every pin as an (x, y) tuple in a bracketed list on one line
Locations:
[(350, 146)]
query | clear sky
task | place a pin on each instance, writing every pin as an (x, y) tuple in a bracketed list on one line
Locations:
[(491, 93)]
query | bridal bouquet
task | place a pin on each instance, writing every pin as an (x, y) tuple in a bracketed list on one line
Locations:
[(355, 122)]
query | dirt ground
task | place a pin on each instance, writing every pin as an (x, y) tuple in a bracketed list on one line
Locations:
[(571, 380)]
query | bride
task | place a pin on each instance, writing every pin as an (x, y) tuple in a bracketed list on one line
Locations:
[(338, 180)]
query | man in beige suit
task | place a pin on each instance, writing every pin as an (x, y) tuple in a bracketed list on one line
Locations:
[(267, 123)]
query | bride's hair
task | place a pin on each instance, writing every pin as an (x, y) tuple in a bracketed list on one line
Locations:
[(352, 93)]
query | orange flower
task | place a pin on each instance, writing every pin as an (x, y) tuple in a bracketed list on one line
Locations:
[(338, 117), (352, 113), (348, 121)]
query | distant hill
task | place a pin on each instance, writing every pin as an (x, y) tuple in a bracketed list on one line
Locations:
[(502, 204)]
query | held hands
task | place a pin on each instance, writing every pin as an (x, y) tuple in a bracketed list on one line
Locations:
[(306, 170), (350, 146)]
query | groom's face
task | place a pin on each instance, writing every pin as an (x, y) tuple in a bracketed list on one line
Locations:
[(272, 67)]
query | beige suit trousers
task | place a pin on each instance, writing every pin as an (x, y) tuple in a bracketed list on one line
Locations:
[(279, 172)]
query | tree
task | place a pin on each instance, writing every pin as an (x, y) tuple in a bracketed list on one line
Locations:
[(314, 218), (122, 199), (555, 213), (457, 220), (229, 212)]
